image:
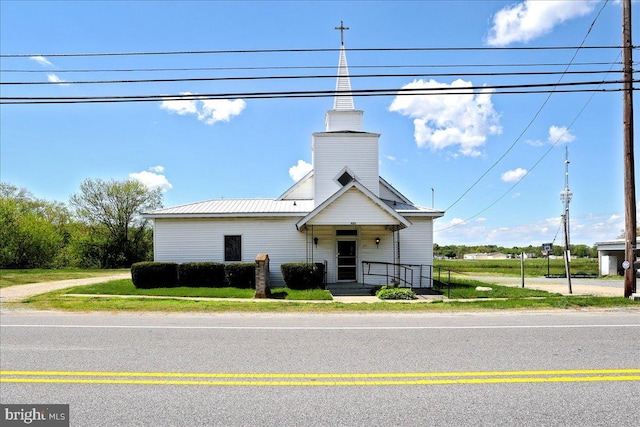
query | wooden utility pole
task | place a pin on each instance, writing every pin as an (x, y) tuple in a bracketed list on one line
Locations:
[(629, 168)]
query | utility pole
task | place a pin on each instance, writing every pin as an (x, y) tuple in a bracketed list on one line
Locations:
[(629, 168), (565, 196)]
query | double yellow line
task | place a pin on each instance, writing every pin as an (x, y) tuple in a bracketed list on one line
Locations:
[(319, 379)]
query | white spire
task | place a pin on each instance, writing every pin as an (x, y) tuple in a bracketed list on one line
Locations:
[(343, 102)]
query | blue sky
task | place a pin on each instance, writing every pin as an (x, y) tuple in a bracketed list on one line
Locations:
[(199, 150)]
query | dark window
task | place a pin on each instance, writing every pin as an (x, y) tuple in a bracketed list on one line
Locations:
[(346, 232), (345, 178), (233, 248)]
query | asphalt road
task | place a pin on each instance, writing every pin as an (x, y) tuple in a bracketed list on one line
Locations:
[(506, 368)]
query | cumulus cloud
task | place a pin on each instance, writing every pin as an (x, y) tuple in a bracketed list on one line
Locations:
[(299, 170), (152, 178), (559, 134), (440, 120), (41, 60), (527, 20), (513, 175), (208, 111), (55, 79)]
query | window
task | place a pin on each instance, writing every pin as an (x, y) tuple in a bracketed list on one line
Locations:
[(233, 248), (346, 232)]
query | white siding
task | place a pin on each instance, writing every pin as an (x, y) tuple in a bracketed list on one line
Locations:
[(332, 152), (353, 208), (186, 240), (416, 246), (343, 120)]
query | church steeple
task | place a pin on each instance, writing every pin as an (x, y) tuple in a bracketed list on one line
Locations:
[(344, 116), (343, 85)]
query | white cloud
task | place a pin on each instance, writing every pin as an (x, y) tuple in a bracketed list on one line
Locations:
[(527, 20), (513, 175), (153, 180), (560, 134), (392, 158), (55, 79), (299, 170), (41, 60), (158, 169), (209, 111), (464, 120)]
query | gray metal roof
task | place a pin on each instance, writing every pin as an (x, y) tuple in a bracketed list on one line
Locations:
[(237, 207)]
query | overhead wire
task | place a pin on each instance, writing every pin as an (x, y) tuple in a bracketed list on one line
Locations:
[(496, 89), (533, 119), (253, 51), (297, 77), (295, 67)]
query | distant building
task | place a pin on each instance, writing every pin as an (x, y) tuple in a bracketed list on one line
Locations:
[(611, 255), (487, 256)]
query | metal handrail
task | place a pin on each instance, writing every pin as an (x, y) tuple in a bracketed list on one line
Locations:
[(404, 274)]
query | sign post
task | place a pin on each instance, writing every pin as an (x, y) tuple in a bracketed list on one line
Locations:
[(546, 249)]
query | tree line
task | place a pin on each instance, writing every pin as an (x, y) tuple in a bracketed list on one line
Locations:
[(459, 251), (100, 227)]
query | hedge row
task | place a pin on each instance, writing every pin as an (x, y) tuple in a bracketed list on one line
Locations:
[(193, 274), (302, 275)]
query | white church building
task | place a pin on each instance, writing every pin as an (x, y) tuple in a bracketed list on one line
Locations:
[(341, 214)]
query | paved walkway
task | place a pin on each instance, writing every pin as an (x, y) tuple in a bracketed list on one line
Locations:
[(19, 292)]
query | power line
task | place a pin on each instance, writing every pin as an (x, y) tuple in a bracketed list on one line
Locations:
[(497, 89), (301, 67), (535, 116), (252, 51), (298, 77)]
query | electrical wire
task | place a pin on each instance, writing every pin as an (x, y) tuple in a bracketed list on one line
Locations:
[(296, 67), (253, 51), (497, 89), (535, 116), (298, 77)]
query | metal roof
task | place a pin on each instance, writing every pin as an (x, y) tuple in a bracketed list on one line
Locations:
[(237, 207)]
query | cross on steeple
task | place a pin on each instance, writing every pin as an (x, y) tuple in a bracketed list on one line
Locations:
[(342, 28)]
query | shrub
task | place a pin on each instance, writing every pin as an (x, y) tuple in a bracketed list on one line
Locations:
[(395, 293), (241, 274), (302, 275), (201, 274), (148, 275)]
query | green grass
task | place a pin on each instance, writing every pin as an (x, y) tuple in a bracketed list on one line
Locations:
[(126, 287), (466, 288), (57, 301), (297, 295), (10, 277), (511, 267)]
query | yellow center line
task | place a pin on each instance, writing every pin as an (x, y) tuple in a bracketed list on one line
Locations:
[(323, 375), (319, 379)]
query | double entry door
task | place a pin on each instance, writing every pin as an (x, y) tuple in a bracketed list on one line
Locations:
[(347, 261)]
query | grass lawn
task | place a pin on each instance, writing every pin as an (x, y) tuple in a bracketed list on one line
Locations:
[(466, 288), (126, 287), (511, 267), (39, 275)]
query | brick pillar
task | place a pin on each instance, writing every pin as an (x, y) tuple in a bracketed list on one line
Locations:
[(262, 276)]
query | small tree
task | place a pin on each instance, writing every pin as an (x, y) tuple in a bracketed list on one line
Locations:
[(113, 210)]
